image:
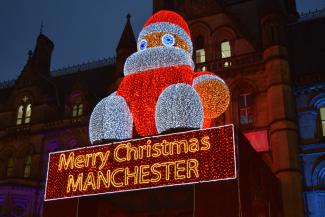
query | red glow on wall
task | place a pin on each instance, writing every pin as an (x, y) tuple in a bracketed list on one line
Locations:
[(259, 140)]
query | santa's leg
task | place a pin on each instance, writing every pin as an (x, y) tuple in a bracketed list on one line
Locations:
[(111, 119), (179, 107)]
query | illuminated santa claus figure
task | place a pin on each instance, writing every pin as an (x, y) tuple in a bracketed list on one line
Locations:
[(160, 90)]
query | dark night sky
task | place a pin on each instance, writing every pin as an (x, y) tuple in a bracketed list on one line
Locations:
[(82, 30)]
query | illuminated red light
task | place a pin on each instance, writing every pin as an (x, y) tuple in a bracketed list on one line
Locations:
[(158, 161), (259, 140), (170, 17), (142, 90)]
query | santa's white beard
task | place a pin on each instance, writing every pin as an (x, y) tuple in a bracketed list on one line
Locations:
[(157, 57)]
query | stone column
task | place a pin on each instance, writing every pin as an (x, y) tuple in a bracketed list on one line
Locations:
[(283, 130)]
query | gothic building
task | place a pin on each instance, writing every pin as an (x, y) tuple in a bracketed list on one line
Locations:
[(309, 91), (272, 60)]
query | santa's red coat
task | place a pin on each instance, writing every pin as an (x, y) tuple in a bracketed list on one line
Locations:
[(141, 91)]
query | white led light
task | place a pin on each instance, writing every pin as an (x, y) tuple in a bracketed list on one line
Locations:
[(214, 179), (111, 119), (143, 44), (160, 45), (157, 57), (168, 40), (96, 122), (168, 28), (179, 106)]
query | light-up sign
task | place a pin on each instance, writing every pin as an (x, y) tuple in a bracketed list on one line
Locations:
[(158, 161)]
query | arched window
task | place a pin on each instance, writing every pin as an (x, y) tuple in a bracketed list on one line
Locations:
[(318, 176), (24, 112), (225, 49), (322, 119), (77, 110), (74, 111), (80, 109), (245, 109), (10, 167), (318, 103), (77, 106), (199, 50), (20, 115), (200, 56), (28, 166), (28, 113), (321, 178)]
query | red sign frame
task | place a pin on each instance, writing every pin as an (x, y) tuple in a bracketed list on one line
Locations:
[(189, 157)]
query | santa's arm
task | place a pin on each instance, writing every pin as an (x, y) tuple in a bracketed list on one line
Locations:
[(214, 93)]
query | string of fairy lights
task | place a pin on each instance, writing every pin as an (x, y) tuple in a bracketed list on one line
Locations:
[(160, 90), (179, 106), (214, 94), (111, 118), (157, 57), (167, 28)]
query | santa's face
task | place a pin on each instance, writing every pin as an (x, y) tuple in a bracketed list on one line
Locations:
[(157, 50), (158, 39)]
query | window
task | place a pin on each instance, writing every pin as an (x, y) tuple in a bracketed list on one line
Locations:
[(80, 109), (28, 165), (200, 56), (199, 50), (20, 115), (28, 113), (77, 105), (225, 52), (74, 111), (77, 110), (225, 49), (322, 117), (245, 109), (10, 167), (24, 112)]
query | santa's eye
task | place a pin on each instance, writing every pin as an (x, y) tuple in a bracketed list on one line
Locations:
[(143, 44), (168, 40)]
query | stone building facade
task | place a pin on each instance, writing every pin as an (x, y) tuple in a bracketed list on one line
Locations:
[(250, 44), (309, 90)]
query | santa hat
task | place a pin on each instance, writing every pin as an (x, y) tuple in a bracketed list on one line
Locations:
[(169, 22)]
